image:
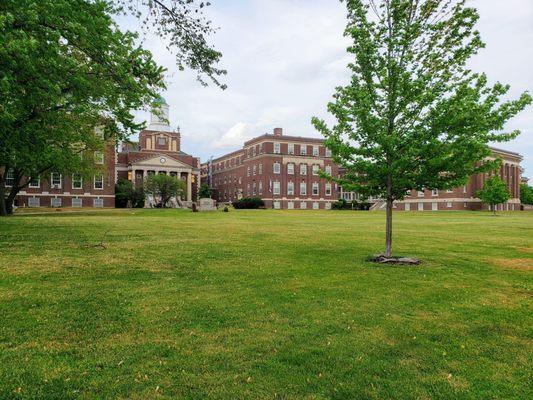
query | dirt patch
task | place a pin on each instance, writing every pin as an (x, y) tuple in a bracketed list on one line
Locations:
[(522, 264)]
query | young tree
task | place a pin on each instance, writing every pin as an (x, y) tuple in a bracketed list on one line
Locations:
[(205, 191), (413, 115), (164, 187), (494, 192), (65, 68), (526, 194)]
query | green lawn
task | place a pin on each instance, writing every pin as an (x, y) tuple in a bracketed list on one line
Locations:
[(265, 305)]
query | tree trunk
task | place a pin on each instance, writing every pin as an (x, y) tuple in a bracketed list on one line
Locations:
[(3, 209), (388, 230)]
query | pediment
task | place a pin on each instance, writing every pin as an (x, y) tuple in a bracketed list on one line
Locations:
[(161, 160)]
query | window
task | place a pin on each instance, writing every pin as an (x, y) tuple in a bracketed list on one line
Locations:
[(303, 188), (98, 157), (303, 150), (260, 187), (290, 188), (277, 205), (303, 205), (77, 202), (449, 191), (35, 182), (290, 148), (277, 167), (420, 206), (315, 151), (77, 181), (162, 141), (407, 206), (260, 169), (253, 151), (315, 189), (277, 148), (303, 169), (55, 180), (276, 188), (254, 191), (449, 204), (99, 181), (464, 189), (328, 189), (254, 170), (34, 202), (248, 171), (435, 192), (290, 205), (328, 169), (328, 152), (99, 203), (9, 178), (55, 202), (290, 169), (421, 193), (434, 206), (315, 206), (315, 169)]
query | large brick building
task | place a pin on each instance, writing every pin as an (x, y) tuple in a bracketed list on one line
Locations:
[(157, 152), (283, 171)]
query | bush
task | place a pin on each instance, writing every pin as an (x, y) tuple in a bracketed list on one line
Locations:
[(126, 194), (249, 203), (226, 209), (342, 204)]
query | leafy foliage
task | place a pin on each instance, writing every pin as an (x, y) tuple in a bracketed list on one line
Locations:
[(494, 192), (164, 187), (526, 194), (249, 203), (127, 195), (205, 191), (413, 115), (342, 204), (183, 25), (65, 68)]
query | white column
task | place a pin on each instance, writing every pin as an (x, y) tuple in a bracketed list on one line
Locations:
[(189, 186)]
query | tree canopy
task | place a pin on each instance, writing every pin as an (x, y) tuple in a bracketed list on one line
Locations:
[(494, 192), (526, 194), (413, 115), (164, 187)]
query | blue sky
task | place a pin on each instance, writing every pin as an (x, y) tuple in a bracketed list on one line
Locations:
[(285, 57)]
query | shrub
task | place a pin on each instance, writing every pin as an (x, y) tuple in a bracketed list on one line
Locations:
[(127, 195), (226, 209), (249, 203)]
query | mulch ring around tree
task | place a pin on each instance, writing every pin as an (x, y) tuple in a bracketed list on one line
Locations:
[(381, 259)]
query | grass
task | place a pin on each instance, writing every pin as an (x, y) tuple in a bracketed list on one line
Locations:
[(265, 305)]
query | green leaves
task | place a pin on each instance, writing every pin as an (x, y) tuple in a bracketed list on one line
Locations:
[(495, 191)]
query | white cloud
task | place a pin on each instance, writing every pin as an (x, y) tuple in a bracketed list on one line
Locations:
[(285, 57)]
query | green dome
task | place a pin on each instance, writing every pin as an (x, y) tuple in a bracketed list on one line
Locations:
[(160, 100)]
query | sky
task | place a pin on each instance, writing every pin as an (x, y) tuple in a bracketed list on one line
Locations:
[(285, 57)]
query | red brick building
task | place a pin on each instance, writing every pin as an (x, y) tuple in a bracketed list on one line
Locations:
[(158, 151), (282, 170)]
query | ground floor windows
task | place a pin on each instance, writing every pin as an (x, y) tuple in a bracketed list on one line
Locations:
[(434, 206), (449, 204), (34, 202), (290, 205), (277, 205), (55, 202), (99, 203), (77, 203), (420, 206), (303, 205), (407, 206), (328, 206), (315, 206)]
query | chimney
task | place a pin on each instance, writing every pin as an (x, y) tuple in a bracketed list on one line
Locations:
[(278, 131)]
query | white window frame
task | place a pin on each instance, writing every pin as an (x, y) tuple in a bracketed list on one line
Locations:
[(303, 150), (328, 152), (102, 180), (276, 187), (407, 207), (10, 175), (449, 204), (304, 186), (290, 168), (290, 188), (316, 205), (328, 169), (98, 203), (315, 189), (60, 184), (316, 151), (38, 183), (74, 179), (277, 205), (56, 200), (290, 148), (260, 186), (161, 141), (260, 169), (328, 189), (421, 193), (277, 148), (79, 202), (315, 169), (303, 169), (98, 157), (303, 205), (435, 192), (290, 205), (35, 202), (276, 168)]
